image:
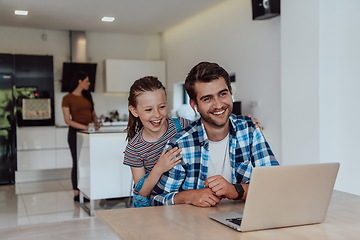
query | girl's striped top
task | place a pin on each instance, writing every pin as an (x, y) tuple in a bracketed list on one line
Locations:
[(139, 153)]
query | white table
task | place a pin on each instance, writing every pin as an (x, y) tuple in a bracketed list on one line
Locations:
[(101, 172)]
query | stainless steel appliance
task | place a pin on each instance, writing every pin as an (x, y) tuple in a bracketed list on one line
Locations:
[(26, 99), (7, 130), (34, 90)]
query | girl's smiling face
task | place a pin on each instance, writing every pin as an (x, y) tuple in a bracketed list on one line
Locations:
[(152, 111)]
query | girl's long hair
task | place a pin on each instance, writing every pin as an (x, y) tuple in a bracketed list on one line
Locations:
[(145, 84), (75, 82)]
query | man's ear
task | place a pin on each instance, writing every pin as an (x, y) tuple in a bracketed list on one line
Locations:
[(133, 111), (193, 105)]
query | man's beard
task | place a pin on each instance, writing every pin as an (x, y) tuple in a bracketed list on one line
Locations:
[(208, 117)]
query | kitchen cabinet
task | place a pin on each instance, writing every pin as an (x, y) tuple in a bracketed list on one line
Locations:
[(36, 160), (121, 74), (35, 138), (101, 172), (40, 148), (62, 152)]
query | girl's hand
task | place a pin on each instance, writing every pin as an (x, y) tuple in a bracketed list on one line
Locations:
[(168, 159), (256, 122)]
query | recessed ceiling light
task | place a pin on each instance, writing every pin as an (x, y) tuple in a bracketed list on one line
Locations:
[(108, 19), (21, 12)]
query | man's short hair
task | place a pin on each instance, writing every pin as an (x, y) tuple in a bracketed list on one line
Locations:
[(205, 72)]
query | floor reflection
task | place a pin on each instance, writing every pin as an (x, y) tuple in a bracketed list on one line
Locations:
[(44, 202)]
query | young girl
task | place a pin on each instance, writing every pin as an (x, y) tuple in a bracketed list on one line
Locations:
[(148, 131)]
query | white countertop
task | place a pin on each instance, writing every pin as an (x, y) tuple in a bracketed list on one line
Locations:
[(100, 131), (105, 125), (120, 123)]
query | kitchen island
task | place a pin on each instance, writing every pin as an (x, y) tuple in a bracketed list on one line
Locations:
[(101, 173)]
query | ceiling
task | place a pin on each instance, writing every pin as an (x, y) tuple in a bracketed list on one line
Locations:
[(131, 16)]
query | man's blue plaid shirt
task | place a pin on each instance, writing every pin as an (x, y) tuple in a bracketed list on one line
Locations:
[(247, 145)]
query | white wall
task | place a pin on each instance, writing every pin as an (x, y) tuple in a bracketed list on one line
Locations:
[(226, 34), (299, 81), (320, 85), (99, 46), (339, 89)]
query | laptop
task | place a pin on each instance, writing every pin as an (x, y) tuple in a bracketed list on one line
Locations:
[(284, 196)]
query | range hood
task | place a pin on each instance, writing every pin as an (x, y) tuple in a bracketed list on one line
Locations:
[(78, 62), (78, 51)]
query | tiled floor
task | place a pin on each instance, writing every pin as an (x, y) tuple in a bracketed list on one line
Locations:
[(46, 210)]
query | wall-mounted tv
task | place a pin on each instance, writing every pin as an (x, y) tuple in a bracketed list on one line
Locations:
[(69, 68)]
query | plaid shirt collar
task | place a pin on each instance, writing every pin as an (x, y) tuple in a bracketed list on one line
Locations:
[(198, 126)]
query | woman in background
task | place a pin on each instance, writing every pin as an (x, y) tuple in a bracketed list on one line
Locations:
[(78, 111)]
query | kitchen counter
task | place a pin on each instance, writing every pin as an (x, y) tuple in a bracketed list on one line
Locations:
[(107, 127), (101, 172), (103, 125), (120, 123), (104, 130)]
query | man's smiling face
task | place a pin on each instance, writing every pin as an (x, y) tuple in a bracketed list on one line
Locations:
[(214, 102)]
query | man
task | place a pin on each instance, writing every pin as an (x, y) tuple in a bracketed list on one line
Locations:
[(219, 150)]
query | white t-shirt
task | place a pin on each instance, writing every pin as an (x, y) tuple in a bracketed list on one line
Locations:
[(219, 160)]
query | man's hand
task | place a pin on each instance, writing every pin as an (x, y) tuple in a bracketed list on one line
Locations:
[(221, 187), (198, 197)]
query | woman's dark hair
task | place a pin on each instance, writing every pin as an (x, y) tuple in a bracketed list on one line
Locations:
[(80, 75), (145, 84), (205, 72)]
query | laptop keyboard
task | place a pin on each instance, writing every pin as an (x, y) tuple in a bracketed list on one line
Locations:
[(236, 221)]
